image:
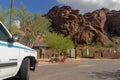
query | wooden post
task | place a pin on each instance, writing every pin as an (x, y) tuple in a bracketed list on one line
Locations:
[(11, 13)]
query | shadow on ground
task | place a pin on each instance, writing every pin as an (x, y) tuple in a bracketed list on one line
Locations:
[(107, 75), (12, 79)]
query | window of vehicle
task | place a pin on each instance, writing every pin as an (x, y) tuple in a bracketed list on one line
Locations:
[(4, 36)]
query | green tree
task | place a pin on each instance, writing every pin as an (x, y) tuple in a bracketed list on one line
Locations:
[(37, 26), (31, 25), (41, 24), (23, 14), (15, 30), (58, 42)]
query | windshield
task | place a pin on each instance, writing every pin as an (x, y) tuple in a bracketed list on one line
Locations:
[(4, 36)]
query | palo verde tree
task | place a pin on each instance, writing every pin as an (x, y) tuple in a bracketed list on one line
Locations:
[(39, 25), (32, 25), (4, 17), (58, 42)]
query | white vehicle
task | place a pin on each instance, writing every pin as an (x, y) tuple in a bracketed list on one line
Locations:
[(15, 59)]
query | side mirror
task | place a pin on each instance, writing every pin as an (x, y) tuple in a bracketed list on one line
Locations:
[(14, 38)]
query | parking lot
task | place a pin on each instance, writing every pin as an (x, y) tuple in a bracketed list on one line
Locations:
[(78, 70)]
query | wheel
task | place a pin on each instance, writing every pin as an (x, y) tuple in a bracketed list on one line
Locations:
[(24, 70)]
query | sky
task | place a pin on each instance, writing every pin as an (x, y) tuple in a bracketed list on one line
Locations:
[(43, 6), (34, 6)]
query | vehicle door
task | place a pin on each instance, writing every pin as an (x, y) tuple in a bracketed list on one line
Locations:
[(8, 54)]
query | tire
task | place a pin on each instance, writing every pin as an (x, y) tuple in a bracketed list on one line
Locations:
[(24, 70)]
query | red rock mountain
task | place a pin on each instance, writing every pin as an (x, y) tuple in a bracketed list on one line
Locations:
[(98, 26)]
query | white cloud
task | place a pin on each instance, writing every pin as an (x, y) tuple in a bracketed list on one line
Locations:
[(91, 5)]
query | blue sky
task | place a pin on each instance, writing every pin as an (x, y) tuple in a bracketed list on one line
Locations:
[(34, 6), (43, 6)]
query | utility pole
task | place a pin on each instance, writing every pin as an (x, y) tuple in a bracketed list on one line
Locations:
[(11, 13)]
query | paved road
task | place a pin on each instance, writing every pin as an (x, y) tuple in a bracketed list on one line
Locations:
[(80, 70)]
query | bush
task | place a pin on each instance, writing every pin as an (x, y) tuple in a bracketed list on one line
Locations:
[(110, 45), (58, 42), (99, 45)]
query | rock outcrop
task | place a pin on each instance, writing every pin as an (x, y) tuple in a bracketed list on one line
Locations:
[(97, 26), (113, 23)]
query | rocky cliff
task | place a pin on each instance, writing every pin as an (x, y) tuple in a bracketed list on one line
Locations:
[(98, 26)]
